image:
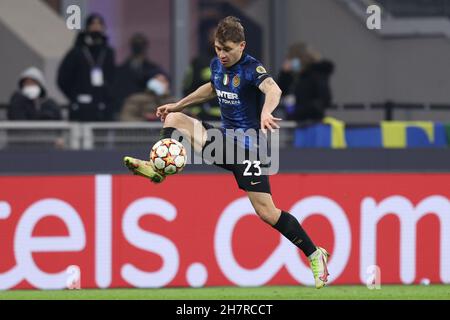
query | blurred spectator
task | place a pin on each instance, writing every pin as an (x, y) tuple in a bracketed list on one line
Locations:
[(86, 73), (30, 102), (134, 73), (198, 74), (142, 106), (304, 81)]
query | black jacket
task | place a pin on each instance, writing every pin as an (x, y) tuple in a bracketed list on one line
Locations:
[(131, 79), (311, 89), (22, 108), (74, 74)]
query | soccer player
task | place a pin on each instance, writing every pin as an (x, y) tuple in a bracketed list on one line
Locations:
[(239, 81)]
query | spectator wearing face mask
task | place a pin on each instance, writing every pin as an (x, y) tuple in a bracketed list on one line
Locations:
[(142, 106), (86, 74), (31, 102), (134, 73), (304, 80)]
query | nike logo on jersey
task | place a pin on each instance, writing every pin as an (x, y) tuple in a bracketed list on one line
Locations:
[(254, 183)]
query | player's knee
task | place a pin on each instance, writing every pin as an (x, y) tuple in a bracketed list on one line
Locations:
[(173, 119), (267, 213)]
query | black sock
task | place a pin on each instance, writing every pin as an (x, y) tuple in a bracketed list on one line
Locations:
[(289, 227), (166, 133)]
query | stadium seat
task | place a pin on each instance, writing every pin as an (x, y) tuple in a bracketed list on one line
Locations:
[(440, 138), (417, 138), (447, 133), (363, 137), (316, 136), (404, 134), (337, 132)]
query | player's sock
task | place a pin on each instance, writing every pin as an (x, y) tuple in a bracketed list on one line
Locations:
[(289, 227), (166, 133)]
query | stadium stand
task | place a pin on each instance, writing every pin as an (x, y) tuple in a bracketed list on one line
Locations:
[(417, 8), (373, 174), (359, 124)]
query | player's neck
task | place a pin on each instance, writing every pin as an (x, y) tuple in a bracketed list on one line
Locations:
[(238, 61)]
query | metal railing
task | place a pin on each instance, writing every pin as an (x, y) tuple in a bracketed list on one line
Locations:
[(38, 135), (24, 135), (89, 136)]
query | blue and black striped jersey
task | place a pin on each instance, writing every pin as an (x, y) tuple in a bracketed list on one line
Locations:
[(237, 90)]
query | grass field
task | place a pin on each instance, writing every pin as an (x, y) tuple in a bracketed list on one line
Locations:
[(434, 292)]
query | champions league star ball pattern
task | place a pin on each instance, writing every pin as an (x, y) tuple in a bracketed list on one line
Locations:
[(168, 156)]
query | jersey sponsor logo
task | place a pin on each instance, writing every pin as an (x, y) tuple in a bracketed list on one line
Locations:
[(236, 81), (228, 98), (261, 69), (227, 95), (226, 80)]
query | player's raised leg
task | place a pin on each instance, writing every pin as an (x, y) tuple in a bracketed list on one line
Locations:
[(190, 128), (289, 227)]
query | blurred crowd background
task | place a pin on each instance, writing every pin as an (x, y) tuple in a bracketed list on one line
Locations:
[(343, 85)]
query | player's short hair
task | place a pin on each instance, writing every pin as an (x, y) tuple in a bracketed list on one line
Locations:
[(230, 29)]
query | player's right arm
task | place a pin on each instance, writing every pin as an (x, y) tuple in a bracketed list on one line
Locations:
[(204, 93)]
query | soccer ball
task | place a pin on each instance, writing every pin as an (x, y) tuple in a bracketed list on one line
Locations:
[(168, 156)]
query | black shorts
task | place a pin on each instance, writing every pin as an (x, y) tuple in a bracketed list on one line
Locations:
[(248, 175)]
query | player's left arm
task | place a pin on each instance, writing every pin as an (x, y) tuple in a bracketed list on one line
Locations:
[(273, 95)]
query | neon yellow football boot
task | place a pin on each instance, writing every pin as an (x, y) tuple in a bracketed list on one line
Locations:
[(143, 168), (318, 261)]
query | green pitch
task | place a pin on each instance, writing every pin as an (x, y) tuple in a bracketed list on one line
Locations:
[(386, 292)]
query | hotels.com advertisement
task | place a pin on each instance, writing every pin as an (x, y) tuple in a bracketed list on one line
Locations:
[(104, 231)]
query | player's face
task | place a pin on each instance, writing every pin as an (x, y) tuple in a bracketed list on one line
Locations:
[(229, 52)]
